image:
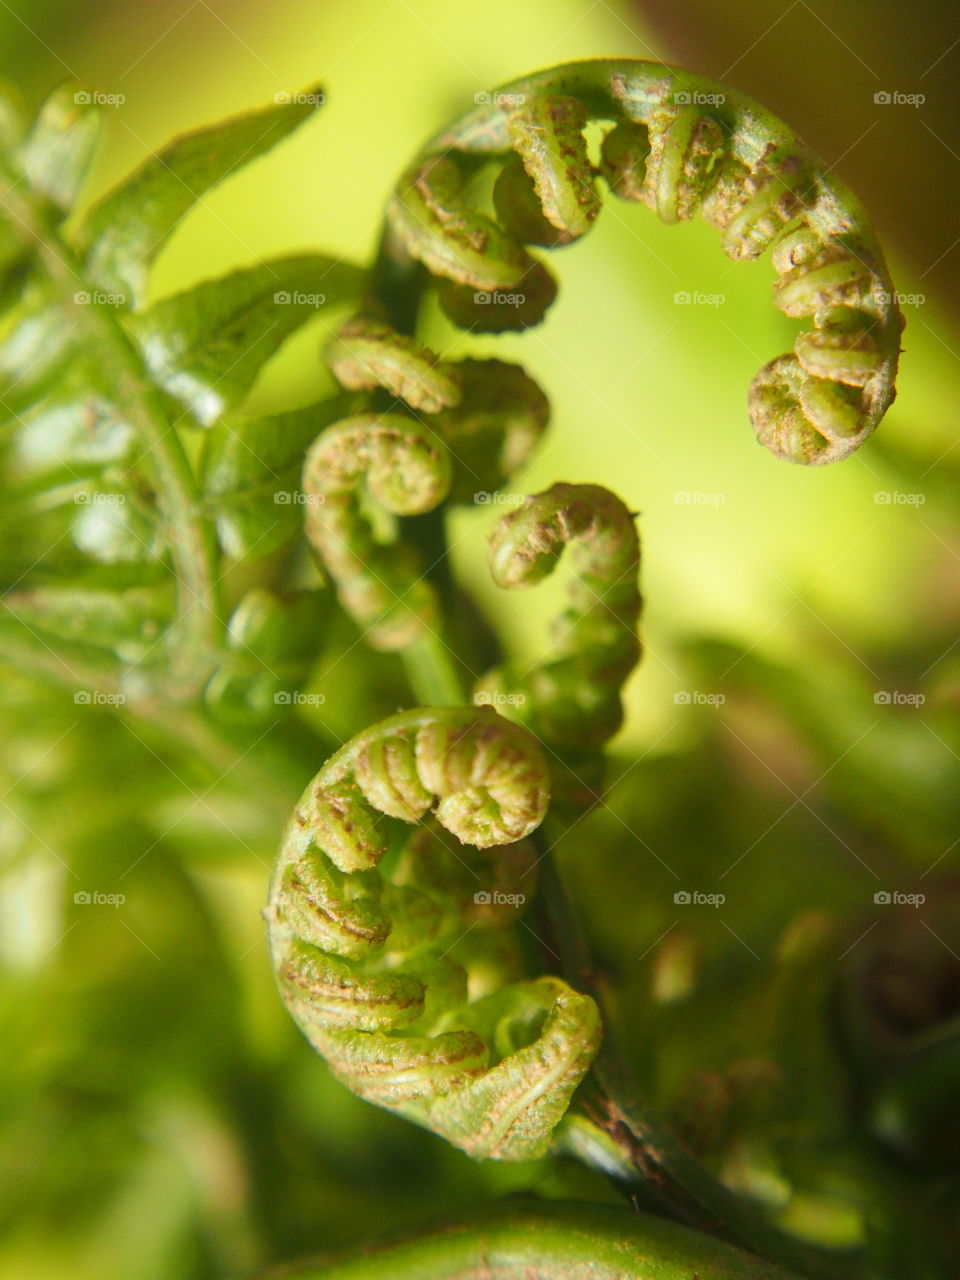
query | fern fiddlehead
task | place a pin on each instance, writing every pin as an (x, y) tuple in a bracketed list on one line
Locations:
[(368, 932), (366, 353), (752, 179), (408, 472), (488, 413), (572, 700), (454, 428)]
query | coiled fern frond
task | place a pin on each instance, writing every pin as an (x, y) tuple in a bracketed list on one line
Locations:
[(677, 143), (382, 950)]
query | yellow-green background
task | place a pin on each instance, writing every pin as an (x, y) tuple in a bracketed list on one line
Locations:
[(800, 567)]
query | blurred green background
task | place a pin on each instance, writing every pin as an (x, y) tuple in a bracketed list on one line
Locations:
[(159, 1115)]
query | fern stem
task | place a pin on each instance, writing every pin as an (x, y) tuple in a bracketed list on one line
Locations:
[(199, 627), (432, 673)]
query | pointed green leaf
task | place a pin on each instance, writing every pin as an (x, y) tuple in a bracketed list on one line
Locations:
[(251, 474), (207, 345), (125, 230), (128, 623), (57, 154), (25, 650), (37, 338), (115, 524), (72, 433)]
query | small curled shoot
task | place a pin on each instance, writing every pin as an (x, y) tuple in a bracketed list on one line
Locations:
[(519, 209), (520, 307), (623, 160), (492, 433), (377, 942), (547, 135), (366, 353), (406, 469), (684, 147), (490, 413), (431, 219), (572, 700)]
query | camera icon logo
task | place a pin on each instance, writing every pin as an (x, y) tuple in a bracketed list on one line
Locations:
[(682, 99), (282, 298), (882, 98), (482, 99), (683, 699), (283, 99), (882, 898), (483, 898), (82, 697), (882, 698), (482, 298), (682, 298), (82, 898), (83, 97), (282, 698), (682, 898)]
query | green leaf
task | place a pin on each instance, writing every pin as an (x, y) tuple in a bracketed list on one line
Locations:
[(207, 345), (116, 524), (128, 623), (125, 230), (57, 154), (37, 337), (47, 347), (73, 432), (251, 474)]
